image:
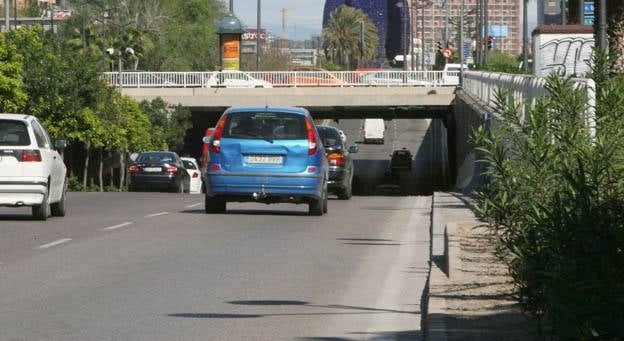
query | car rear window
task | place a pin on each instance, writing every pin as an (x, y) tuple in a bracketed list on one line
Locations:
[(13, 133), (189, 165), (265, 125), (156, 157), (330, 137)]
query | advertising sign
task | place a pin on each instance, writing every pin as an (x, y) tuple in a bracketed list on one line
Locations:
[(588, 11), (499, 31), (252, 35), (230, 52)]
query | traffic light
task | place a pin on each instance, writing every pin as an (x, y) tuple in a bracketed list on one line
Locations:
[(490, 42), (439, 46)]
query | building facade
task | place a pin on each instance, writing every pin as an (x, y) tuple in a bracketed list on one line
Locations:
[(504, 23), (390, 16)]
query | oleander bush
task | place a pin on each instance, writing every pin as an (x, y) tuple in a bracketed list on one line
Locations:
[(555, 200)]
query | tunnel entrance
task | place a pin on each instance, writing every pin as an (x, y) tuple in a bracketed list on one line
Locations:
[(426, 140)]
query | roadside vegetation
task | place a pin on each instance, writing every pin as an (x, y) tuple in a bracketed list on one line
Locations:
[(555, 200), (55, 77)]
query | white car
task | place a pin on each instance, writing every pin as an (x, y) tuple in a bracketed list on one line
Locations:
[(374, 129), (450, 74), (391, 78), (32, 172), (193, 171), (235, 79)]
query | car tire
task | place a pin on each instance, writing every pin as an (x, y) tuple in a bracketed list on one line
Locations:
[(58, 209), (325, 202), (179, 187), (346, 193), (41, 212), (315, 207), (214, 205), (187, 190)]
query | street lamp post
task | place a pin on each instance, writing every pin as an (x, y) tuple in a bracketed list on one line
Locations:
[(603, 26), (258, 27), (525, 36), (7, 15), (461, 43)]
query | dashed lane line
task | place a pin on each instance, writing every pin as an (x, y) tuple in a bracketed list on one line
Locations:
[(156, 214), (194, 205), (55, 243), (114, 227)]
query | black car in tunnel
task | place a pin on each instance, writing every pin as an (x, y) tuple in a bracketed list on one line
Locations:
[(159, 170), (341, 168)]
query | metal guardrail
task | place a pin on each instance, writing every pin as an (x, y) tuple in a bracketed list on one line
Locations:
[(525, 89), (282, 79)]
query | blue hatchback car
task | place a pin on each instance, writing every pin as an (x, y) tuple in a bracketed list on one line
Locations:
[(267, 155)]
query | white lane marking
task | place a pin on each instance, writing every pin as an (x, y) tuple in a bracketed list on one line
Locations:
[(58, 242), (156, 214), (110, 228), (194, 205)]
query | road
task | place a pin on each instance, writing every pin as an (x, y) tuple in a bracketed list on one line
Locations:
[(153, 266)]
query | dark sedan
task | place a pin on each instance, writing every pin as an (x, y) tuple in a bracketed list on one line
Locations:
[(401, 160), (340, 162), (159, 170)]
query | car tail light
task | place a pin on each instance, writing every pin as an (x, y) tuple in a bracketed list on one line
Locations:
[(215, 146), (336, 159), (171, 170), (134, 169), (312, 145), (31, 155), (195, 175)]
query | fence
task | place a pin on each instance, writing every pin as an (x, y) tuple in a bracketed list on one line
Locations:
[(282, 79)]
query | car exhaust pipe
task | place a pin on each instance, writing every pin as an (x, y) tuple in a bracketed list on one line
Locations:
[(259, 196)]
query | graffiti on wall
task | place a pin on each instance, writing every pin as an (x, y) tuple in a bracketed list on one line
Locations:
[(570, 56)]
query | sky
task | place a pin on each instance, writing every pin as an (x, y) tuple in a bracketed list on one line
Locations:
[(305, 17)]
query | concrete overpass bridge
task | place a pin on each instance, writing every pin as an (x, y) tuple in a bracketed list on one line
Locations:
[(387, 94)]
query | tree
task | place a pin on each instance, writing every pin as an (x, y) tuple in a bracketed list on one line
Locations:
[(169, 123), (341, 37), (615, 12), (12, 96), (272, 60)]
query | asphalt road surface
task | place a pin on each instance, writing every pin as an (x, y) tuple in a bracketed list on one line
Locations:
[(153, 266)]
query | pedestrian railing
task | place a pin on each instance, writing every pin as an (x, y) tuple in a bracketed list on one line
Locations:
[(525, 89), (272, 79)]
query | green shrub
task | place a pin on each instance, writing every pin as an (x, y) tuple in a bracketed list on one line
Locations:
[(74, 185), (555, 199)]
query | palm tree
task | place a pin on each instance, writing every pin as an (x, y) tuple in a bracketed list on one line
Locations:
[(341, 37), (615, 31)]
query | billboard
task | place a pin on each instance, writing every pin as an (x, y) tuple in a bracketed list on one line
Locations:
[(499, 31)]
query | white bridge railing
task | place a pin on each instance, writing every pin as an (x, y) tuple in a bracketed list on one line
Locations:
[(215, 79), (525, 89)]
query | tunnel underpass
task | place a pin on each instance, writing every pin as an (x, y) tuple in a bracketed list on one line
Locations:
[(426, 139)]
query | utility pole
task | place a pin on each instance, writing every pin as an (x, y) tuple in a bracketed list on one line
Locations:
[(564, 12), (15, 14), (603, 26), (405, 34), (7, 15), (362, 43), (479, 32), (486, 26), (447, 12), (258, 28), (461, 43), (422, 36), (525, 36), (581, 12)]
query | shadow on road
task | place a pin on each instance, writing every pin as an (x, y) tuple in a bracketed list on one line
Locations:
[(251, 212)]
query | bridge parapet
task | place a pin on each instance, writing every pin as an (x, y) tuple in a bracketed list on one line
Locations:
[(275, 79), (525, 89)]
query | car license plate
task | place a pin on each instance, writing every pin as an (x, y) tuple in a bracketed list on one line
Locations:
[(152, 169), (264, 159)]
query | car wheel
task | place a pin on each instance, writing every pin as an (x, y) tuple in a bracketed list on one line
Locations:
[(58, 209), (188, 188), (346, 193), (325, 201), (214, 205), (41, 212), (180, 187), (315, 207)]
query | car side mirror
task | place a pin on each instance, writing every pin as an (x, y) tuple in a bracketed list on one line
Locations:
[(60, 144), (354, 149), (206, 139)]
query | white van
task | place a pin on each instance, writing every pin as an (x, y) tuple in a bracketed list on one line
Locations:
[(450, 74), (374, 130)]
